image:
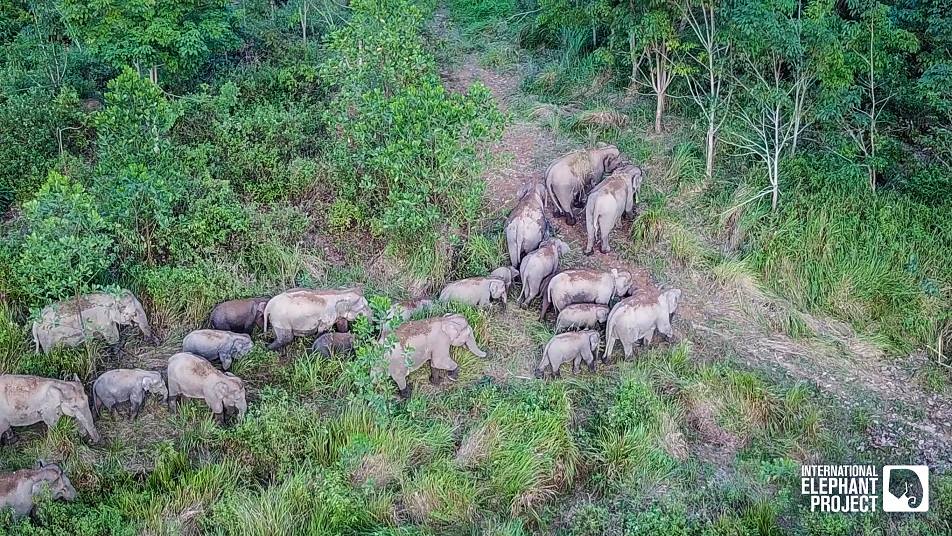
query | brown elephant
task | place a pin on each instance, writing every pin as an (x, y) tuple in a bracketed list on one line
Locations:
[(72, 322), (193, 376), (239, 316), (429, 340), (26, 400), (214, 344), (569, 177), (475, 291), (607, 202), (304, 311), (585, 286), (334, 343), (636, 319), (118, 386), (527, 225), (19, 489), (539, 265), (574, 346)]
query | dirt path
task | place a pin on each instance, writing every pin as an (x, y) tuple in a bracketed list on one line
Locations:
[(733, 319)]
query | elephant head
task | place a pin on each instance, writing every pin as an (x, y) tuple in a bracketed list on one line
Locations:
[(128, 310), (71, 400), (232, 394), (530, 188), (350, 310), (497, 289), (152, 383), (258, 310), (239, 346), (622, 281), (610, 155), (53, 477), (670, 299), (561, 246), (460, 333), (601, 314), (594, 339), (507, 273)]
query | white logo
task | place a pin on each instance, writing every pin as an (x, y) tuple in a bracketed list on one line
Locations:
[(905, 488)]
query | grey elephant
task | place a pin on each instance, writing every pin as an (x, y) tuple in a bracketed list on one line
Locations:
[(193, 376), (213, 344), (26, 400), (507, 274), (475, 291), (428, 340), (574, 346), (635, 319), (334, 343), (118, 386), (239, 316), (527, 225), (585, 286), (19, 489), (74, 321), (581, 316), (607, 202), (568, 177), (539, 265), (404, 310), (304, 311)]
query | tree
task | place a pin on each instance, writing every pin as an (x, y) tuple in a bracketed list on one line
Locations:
[(177, 36)]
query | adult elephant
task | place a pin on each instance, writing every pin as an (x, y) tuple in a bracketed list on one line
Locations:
[(20, 489), (429, 340), (26, 400), (571, 175), (74, 321), (303, 311), (606, 203), (636, 319), (526, 226), (585, 286)]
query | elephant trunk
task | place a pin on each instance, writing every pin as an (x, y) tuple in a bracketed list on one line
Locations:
[(142, 321), (85, 418)]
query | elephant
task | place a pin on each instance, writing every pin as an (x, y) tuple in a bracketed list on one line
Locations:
[(527, 225), (568, 177), (336, 343), (608, 201), (508, 274), (585, 286), (304, 311), (116, 386), (193, 376), (581, 316), (239, 316), (19, 489), (26, 400), (71, 322), (430, 339), (538, 265), (475, 291), (406, 309), (214, 344), (638, 317), (574, 346)]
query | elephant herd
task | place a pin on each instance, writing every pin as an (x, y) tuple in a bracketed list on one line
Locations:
[(581, 298)]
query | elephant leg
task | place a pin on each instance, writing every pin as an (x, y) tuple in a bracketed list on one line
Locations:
[(136, 401), (436, 376), (629, 348), (5, 432), (50, 417), (576, 364), (282, 337), (605, 231), (441, 359), (589, 358), (111, 333)]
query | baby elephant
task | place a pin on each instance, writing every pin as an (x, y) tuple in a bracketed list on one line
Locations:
[(193, 377), (475, 291), (334, 343), (405, 310), (19, 488), (581, 316), (213, 344), (239, 316), (574, 346), (127, 385), (508, 274)]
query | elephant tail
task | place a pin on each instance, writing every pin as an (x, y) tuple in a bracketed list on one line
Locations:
[(546, 299), (36, 338), (265, 315), (609, 336)]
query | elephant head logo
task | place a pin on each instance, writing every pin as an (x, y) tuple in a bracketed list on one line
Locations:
[(905, 488)]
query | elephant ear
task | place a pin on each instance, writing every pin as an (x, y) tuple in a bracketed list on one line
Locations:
[(221, 389)]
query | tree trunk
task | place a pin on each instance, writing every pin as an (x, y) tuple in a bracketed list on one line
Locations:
[(659, 111), (709, 164)]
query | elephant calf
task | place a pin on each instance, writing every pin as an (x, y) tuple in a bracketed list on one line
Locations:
[(239, 316), (507, 274), (118, 386), (585, 286), (569, 176), (19, 489), (607, 202), (194, 377), (638, 317), (526, 226), (581, 316), (475, 291), (214, 344), (574, 346), (406, 309), (26, 400), (539, 265), (336, 343)]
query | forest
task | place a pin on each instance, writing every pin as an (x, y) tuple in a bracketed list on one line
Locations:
[(794, 164)]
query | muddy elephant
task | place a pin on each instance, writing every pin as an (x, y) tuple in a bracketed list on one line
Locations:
[(585, 286), (607, 202), (193, 376), (26, 400), (74, 321), (239, 316), (635, 319), (527, 225), (118, 386), (507, 274), (581, 316), (574, 346), (214, 344), (538, 265), (19, 489), (429, 340), (304, 311), (405, 310), (568, 178), (475, 291), (334, 343)]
